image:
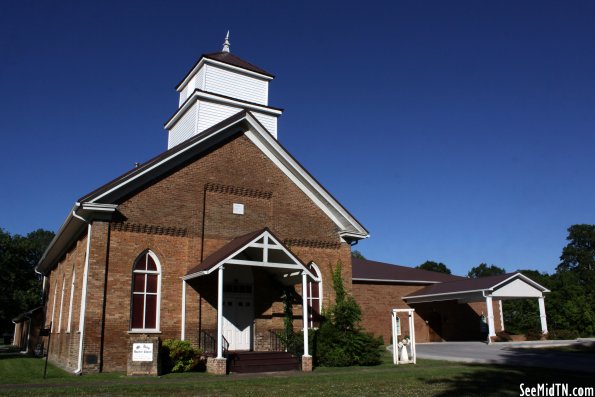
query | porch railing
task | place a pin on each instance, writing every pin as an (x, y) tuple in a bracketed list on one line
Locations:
[(276, 340), (208, 342)]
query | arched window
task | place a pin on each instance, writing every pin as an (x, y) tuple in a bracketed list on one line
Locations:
[(314, 296), (146, 286)]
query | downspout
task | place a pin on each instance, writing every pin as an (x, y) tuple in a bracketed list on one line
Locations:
[(28, 335), (14, 334), (79, 369)]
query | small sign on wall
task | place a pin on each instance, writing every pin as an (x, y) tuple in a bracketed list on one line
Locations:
[(142, 352)]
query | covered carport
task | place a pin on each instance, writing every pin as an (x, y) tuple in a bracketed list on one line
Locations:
[(488, 290)]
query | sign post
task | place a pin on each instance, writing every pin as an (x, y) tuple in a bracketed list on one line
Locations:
[(46, 332)]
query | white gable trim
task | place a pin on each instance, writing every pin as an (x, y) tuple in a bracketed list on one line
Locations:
[(269, 146), (293, 178), (266, 246), (525, 279)]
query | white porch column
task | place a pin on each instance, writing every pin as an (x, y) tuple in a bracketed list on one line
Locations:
[(183, 332), (501, 315), (220, 314), (491, 328), (305, 311), (542, 316)]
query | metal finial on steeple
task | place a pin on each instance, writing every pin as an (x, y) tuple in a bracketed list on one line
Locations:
[(226, 43)]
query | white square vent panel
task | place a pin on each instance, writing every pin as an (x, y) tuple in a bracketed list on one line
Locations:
[(238, 209)]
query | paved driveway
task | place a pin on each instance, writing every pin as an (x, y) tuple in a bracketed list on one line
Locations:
[(513, 353)]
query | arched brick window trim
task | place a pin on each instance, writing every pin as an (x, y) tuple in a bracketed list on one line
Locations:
[(314, 296), (146, 293)]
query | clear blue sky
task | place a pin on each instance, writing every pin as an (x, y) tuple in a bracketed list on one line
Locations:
[(459, 131)]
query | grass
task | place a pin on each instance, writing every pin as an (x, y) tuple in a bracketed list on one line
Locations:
[(23, 376)]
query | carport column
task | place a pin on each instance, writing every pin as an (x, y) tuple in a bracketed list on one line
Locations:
[(306, 358), (490, 307), (220, 314), (542, 316)]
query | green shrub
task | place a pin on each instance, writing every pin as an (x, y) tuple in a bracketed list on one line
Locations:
[(180, 356), (564, 334), (503, 336), (534, 334), (339, 341)]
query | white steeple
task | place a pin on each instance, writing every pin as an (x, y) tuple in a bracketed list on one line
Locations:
[(226, 43), (218, 86)]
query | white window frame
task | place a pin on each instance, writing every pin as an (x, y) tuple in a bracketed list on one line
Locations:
[(61, 304), (132, 293), (68, 327), (54, 305), (317, 273)]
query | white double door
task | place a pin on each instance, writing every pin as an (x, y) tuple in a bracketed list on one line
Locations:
[(238, 318)]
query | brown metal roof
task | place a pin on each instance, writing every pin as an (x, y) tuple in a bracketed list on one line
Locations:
[(463, 285), (231, 59), (228, 249), (385, 272)]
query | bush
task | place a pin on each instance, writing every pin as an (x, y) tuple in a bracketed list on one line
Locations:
[(534, 334), (339, 342), (503, 336), (565, 334), (180, 356)]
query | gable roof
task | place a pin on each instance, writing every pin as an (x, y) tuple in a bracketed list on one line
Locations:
[(472, 285), (231, 252), (110, 194), (372, 271)]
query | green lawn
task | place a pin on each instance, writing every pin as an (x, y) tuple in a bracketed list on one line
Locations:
[(23, 376)]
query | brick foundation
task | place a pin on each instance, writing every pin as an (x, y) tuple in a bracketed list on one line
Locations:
[(307, 363), (217, 366)]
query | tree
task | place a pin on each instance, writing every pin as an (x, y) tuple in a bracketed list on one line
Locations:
[(483, 270), (573, 290), (20, 286), (357, 254), (434, 267), (579, 254)]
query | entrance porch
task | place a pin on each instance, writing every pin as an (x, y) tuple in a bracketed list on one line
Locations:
[(238, 295)]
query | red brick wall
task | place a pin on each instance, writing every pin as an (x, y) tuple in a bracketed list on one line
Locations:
[(64, 344), (377, 301)]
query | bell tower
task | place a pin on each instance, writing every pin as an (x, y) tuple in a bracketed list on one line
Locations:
[(218, 86)]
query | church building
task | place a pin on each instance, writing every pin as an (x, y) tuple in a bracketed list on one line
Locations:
[(202, 242)]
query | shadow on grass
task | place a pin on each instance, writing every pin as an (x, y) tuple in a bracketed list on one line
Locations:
[(526, 367), (9, 356)]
